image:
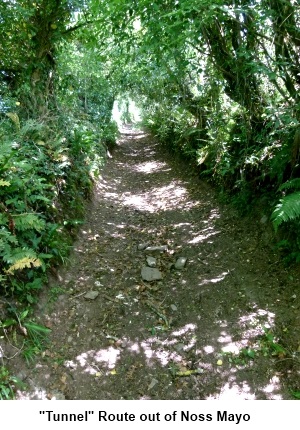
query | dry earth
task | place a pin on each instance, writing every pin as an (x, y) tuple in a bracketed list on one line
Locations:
[(202, 332)]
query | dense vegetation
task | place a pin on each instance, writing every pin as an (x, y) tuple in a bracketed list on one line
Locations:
[(217, 81), (220, 84), (56, 102)]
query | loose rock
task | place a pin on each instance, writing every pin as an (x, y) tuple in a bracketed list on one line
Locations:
[(150, 274), (162, 248), (152, 383), (142, 246), (151, 261), (180, 263), (91, 295)]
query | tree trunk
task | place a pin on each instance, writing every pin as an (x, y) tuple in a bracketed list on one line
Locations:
[(48, 23)]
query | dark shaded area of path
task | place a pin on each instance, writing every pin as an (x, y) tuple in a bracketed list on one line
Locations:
[(200, 332)]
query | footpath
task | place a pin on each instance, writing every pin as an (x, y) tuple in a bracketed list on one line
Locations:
[(168, 295)]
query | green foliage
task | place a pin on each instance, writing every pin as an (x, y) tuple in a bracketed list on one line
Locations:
[(8, 383), (292, 184), (287, 210), (267, 345), (35, 341), (45, 178), (214, 87), (45, 174), (54, 293), (20, 328), (217, 83), (296, 394), (286, 216)]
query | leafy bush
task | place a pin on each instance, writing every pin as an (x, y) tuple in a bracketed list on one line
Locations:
[(8, 384), (45, 177), (286, 216)]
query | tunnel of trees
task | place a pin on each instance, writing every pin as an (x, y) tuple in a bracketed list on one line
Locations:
[(216, 81)]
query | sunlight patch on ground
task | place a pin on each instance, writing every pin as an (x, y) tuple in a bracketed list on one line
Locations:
[(136, 135), (224, 338), (113, 196), (135, 347), (214, 214), (158, 199), (36, 394), (254, 322), (171, 352), (182, 225), (242, 391), (232, 348), (214, 280), (274, 385), (252, 329), (150, 167), (201, 237), (90, 360), (168, 197), (232, 391), (159, 350), (184, 330), (209, 349)]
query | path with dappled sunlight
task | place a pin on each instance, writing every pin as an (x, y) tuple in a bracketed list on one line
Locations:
[(196, 332)]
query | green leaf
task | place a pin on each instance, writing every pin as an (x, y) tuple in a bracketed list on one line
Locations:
[(287, 210), (8, 323), (23, 314), (251, 353), (28, 221), (37, 328), (292, 184), (296, 394)]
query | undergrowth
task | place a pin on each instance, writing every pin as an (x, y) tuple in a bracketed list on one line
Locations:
[(252, 165), (47, 171), (46, 175)]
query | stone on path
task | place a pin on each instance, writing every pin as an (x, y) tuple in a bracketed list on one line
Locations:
[(180, 263), (151, 261), (91, 295), (156, 248), (150, 274), (142, 246), (152, 383)]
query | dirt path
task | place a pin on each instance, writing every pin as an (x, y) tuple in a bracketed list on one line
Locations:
[(195, 334)]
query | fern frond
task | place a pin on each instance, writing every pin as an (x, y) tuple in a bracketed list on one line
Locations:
[(288, 209), (292, 184), (4, 183), (6, 239), (28, 221), (23, 263), (3, 219), (18, 254)]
